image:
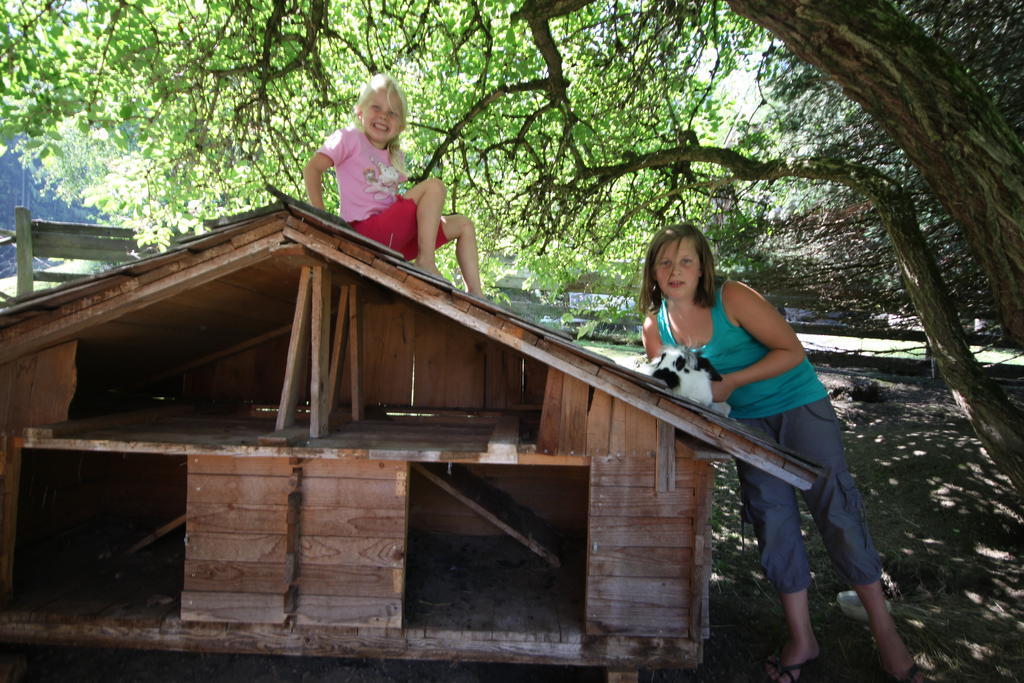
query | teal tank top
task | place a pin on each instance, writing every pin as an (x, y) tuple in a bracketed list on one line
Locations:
[(732, 348)]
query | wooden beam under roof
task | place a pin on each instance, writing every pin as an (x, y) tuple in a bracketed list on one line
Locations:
[(298, 353)]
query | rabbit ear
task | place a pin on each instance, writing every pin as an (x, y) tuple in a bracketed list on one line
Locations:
[(705, 365)]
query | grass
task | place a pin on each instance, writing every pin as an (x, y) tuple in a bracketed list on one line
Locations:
[(623, 354), (627, 355), (899, 349), (9, 285), (947, 524)]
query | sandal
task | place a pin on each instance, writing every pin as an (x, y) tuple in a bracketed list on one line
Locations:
[(910, 676), (784, 671)]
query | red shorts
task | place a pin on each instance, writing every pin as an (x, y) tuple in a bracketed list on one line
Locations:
[(395, 227)]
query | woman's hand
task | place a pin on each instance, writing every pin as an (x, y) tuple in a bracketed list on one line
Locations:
[(722, 389)]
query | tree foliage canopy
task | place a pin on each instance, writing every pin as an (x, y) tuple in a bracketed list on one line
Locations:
[(553, 123), (537, 117)]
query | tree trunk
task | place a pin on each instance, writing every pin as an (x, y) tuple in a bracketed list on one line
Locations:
[(997, 422), (970, 157), (948, 127)]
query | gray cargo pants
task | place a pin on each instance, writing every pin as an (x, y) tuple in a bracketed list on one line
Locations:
[(771, 506)]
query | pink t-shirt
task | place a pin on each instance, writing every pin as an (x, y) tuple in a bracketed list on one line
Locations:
[(367, 182)]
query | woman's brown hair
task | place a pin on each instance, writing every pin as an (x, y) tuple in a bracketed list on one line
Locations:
[(650, 293)]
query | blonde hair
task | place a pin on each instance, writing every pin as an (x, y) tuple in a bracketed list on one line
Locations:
[(396, 99), (650, 294)]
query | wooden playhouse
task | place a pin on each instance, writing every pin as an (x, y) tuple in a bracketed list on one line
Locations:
[(278, 437)]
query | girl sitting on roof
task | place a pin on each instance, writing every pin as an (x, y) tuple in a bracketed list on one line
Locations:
[(369, 166), (771, 387)]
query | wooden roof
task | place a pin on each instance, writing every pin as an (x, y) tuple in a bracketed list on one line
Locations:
[(236, 284)]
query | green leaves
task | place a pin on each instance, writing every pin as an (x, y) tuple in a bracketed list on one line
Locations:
[(202, 103)]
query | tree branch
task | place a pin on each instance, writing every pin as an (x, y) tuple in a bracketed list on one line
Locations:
[(478, 108)]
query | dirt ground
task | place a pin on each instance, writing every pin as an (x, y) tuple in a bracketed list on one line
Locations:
[(946, 521)]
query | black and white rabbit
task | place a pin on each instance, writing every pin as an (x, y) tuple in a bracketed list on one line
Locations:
[(687, 374)]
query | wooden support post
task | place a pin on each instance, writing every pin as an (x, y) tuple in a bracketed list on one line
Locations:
[(338, 347), (23, 236), (355, 349), (319, 392), (504, 441), (298, 350), (551, 413), (10, 477), (293, 541), (36, 389), (666, 457), (704, 475)]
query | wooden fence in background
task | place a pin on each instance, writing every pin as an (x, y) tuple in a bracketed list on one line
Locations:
[(52, 239)]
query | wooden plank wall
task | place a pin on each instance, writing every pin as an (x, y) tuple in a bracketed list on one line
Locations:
[(254, 374), (564, 418), (352, 550), (415, 357), (390, 335), (641, 540), (236, 532), (36, 389), (453, 367), (318, 541)]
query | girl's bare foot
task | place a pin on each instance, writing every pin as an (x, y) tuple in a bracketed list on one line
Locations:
[(430, 268)]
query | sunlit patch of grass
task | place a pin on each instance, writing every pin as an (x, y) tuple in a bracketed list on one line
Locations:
[(895, 348), (9, 285), (961, 639), (626, 356)]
